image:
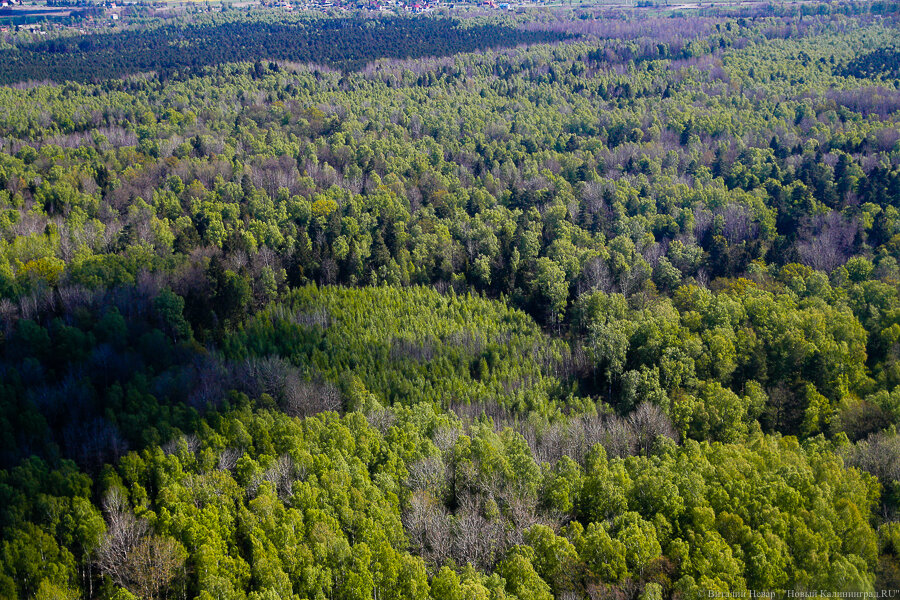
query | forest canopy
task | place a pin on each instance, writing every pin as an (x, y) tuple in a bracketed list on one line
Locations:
[(170, 50), (575, 303)]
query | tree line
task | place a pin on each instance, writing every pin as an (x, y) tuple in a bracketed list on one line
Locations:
[(179, 50)]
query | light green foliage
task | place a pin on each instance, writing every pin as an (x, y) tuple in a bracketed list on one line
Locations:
[(555, 559), (413, 345), (310, 509), (521, 578), (603, 555), (616, 317)]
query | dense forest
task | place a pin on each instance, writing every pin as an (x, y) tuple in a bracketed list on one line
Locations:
[(608, 308), (178, 50)]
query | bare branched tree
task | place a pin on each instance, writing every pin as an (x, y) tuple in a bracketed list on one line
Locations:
[(445, 438), (134, 559), (827, 242), (648, 422), (123, 535), (428, 526), (304, 398), (475, 538), (155, 562), (879, 454), (381, 419), (228, 459), (427, 474)]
